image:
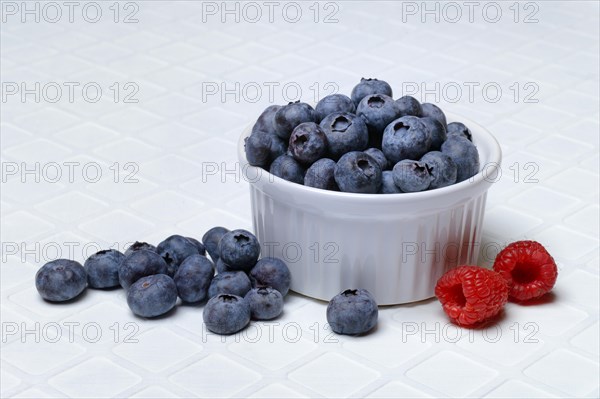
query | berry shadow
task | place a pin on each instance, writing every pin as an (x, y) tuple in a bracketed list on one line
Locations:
[(78, 298), (170, 313), (546, 299)]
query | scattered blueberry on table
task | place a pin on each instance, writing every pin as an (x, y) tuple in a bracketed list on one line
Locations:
[(287, 142), (352, 312)]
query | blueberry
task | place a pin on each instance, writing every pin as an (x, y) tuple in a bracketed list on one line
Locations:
[(378, 156), (369, 86), (265, 303), (265, 120), (334, 103), (287, 168), (271, 272), (464, 154), (60, 280), (442, 169), (174, 249), (357, 172), (352, 312), (411, 176), (138, 264), (221, 266), (320, 175), (291, 115), (234, 283), (258, 150), (437, 132), (211, 241), (199, 245), (103, 268), (408, 105), (405, 138), (152, 296), (226, 314), (308, 143), (378, 111), (136, 246), (193, 278), (434, 111), (458, 128), (387, 183), (345, 132), (239, 249)]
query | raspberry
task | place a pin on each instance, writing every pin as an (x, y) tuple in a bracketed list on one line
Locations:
[(528, 268), (471, 294)]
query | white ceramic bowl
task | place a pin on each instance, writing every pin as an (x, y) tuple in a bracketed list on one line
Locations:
[(394, 245)]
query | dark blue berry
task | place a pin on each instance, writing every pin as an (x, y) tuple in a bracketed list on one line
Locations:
[(174, 250), (411, 176), (352, 312), (405, 138), (199, 245), (408, 105), (265, 121), (334, 104), (434, 111), (234, 283), (357, 172), (193, 278), (103, 268), (287, 168), (437, 132), (458, 128), (387, 184), (239, 249), (211, 241), (60, 280), (320, 175), (378, 111), (378, 156), (345, 132), (136, 246), (139, 264), (308, 143), (291, 115), (464, 154), (258, 150), (442, 169), (265, 303), (152, 296), (369, 86), (221, 266), (271, 272), (226, 314)]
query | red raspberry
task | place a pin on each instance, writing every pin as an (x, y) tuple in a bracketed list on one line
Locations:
[(528, 268), (471, 294)]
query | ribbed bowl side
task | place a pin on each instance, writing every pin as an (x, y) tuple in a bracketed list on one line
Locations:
[(399, 259)]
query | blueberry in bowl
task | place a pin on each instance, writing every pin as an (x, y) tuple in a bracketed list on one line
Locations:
[(374, 228)]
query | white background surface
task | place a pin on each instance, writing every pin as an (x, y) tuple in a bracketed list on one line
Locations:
[(172, 54)]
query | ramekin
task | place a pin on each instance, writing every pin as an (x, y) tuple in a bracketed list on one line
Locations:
[(394, 245)]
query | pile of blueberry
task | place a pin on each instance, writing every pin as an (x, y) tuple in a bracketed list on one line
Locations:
[(245, 287), (365, 143)]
